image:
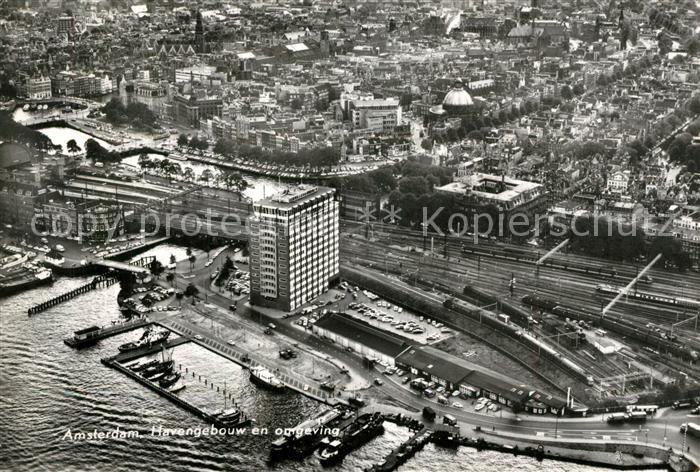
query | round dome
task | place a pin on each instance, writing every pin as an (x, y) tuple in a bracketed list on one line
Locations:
[(458, 97)]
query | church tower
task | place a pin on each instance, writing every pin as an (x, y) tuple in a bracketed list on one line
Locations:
[(199, 44)]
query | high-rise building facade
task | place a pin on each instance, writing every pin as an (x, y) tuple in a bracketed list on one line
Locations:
[(294, 252)]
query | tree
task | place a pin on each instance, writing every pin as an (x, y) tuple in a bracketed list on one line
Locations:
[(296, 103), (192, 260), (567, 93), (170, 277), (188, 174), (383, 179), (182, 140), (206, 175), (225, 147), (172, 259), (72, 147), (476, 135), (156, 268), (693, 45), (234, 180), (95, 151), (415, 185), (114, 111), (199, 143), (694, 103), (665, 44), (191, 290)]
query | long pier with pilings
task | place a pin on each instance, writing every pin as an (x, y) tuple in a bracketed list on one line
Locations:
[(206, 416), (98, 282)]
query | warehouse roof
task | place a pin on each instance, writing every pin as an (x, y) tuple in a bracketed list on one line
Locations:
[(361, 332)]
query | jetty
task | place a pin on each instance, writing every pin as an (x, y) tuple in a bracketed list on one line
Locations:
[(403, 452), (100, 281), (206, 416), (89, 336)]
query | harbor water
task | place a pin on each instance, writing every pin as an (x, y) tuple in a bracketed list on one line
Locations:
[(48, 392)]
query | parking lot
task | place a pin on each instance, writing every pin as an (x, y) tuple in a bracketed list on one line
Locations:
[(151, 300), (370, 308)]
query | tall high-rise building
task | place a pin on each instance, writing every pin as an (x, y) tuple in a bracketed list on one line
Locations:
[(294, 252)]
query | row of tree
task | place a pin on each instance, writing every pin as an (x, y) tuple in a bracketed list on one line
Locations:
[(193, 142), (315, 157), (95, 151)]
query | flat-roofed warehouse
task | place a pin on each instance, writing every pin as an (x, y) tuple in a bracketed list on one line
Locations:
[(361, 337)]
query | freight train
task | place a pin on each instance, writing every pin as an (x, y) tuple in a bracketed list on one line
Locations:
[(616, 324)]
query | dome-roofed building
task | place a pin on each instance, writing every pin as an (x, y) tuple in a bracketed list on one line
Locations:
[(456, 102)]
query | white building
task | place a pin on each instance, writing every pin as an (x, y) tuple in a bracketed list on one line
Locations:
[(618, 182), (375, 114), (201, 74), (294, 252)]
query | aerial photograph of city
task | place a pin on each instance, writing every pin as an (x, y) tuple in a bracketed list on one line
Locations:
[(350, 235)]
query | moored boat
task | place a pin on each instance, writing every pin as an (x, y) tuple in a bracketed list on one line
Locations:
[(334, 449), (263, 377), (177, 388), (169, 380), (140, 366), (158, 368), (303, 438)]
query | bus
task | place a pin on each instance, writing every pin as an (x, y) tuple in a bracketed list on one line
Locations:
[(647, 409)]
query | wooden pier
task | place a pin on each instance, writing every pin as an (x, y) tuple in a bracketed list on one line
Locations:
[(98, 282), (106, 332), (403, 452), (210, 419)]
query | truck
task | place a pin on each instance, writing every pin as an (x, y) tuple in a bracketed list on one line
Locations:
[(450, 420), (617, 418), (678, 404), (638, 416), (692, 429)]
